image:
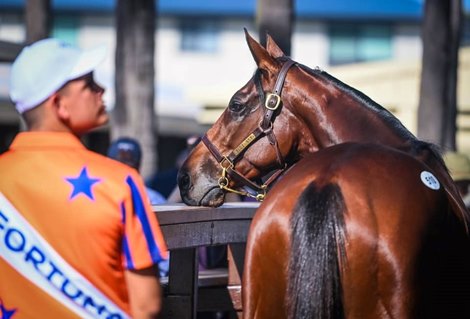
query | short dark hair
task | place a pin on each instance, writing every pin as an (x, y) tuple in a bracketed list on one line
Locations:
[(126, 150)]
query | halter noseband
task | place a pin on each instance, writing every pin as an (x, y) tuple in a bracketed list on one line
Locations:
[(265, 128)]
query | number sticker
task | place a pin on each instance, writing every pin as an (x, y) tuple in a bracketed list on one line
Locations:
[(430, 180)]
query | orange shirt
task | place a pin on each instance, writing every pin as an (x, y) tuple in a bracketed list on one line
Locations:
[(91, 210)]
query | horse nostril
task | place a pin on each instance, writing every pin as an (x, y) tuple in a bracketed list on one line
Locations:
[(183, 180)]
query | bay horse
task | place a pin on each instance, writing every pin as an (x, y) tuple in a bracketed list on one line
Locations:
[(262, 135)]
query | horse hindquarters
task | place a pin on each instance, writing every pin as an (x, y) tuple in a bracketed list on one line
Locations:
[(265, 275), (314, 288)]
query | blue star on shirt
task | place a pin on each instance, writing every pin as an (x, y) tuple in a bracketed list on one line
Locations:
[(82, 184), (4, 313)]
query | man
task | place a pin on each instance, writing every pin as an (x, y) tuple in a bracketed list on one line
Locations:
[(78, 238)]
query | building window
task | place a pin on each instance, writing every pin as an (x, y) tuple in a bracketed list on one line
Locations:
[(199, 37), (359, 43), (66, 28)]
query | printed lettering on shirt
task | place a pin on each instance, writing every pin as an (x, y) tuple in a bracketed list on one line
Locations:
[(28, 253)]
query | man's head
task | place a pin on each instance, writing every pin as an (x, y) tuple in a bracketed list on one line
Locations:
[(126, 150), (58, 78)]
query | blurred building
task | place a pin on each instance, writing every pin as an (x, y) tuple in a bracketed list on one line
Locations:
[(202, 58)]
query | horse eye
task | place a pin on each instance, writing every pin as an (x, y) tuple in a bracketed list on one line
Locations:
[(236, 106)]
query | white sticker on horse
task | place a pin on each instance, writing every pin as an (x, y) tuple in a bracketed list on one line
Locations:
[(430, 180)]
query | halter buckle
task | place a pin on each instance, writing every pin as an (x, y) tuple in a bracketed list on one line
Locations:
[(268, 101), (226, 161)]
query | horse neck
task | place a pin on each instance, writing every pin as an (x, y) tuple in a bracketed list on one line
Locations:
[(331, 115)]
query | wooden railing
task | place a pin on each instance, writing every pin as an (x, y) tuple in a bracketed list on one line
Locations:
[(186, 290)]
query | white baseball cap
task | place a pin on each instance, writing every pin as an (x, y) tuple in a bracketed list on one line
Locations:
[(45, 66)]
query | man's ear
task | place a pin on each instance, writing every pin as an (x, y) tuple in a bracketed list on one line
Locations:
[(57, 104)]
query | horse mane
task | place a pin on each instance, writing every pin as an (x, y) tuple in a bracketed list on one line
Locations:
[(417, 146), (383, 113)]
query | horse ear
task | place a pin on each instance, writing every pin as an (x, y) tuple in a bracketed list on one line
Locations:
[(272, 47), (262, 57)]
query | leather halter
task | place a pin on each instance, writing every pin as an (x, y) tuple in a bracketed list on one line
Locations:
[(265, 128)]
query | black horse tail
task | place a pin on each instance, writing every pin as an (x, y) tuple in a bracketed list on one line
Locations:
[(318, 233)]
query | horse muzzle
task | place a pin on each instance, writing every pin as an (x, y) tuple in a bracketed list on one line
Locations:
[(199, 190)]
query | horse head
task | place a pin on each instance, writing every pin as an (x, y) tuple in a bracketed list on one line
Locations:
[(250, 139)]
